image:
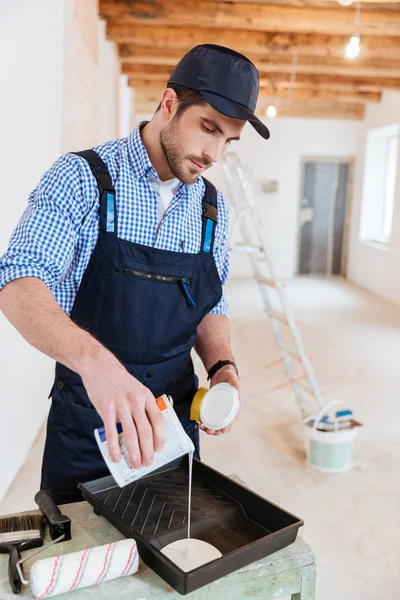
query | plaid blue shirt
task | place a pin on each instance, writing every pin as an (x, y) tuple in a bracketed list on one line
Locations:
[(59, 229)]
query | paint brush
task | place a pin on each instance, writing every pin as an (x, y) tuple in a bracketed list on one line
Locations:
[(19, 532)]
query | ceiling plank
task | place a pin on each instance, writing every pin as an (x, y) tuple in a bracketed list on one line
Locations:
[(333, 111), (331, 81), (276, 79), (321, 112), (164, 38), (149, 72), (314, 109), (274, 62), (376, 4), (364, 4), (371, 4), (323, 94), (153, 90), (337, 20)]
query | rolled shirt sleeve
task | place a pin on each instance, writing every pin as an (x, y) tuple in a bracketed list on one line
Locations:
[(43, 243), (221, 255)]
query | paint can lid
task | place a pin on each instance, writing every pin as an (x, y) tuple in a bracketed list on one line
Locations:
[(219, 406)]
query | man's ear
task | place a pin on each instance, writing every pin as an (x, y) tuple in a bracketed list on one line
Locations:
[(169, 104)]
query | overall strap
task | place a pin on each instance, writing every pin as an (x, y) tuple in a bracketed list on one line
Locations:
[(210, 217), (108, 206)]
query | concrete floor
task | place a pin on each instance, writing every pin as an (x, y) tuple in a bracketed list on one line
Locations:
[(352, 519)]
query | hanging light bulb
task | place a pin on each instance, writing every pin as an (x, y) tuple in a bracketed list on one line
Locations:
[(353, 47), (345, 2), (271, 111)]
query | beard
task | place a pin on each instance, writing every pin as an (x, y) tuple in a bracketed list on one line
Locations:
[(176, 157)]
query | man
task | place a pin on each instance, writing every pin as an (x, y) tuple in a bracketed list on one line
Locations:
[(117, 266)]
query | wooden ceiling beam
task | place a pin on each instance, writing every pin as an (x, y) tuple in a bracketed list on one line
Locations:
[(162, 73), (274, 62), (324, 112), (306, 112), (163, 39), (374, 4), (148, 72), (153, 90), (323, 94), (316, 109), (330, 82), (365, 4), (254, 16)]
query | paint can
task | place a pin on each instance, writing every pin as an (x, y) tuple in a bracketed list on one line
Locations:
[(329, 451)]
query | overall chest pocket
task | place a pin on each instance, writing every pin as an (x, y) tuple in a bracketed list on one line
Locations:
[(183, 283)]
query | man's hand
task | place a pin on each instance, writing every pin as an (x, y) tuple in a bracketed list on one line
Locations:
[(226, 374), (120, 398)]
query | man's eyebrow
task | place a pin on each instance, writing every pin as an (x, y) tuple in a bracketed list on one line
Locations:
[(218, 128)]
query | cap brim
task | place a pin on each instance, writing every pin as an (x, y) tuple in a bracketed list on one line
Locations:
[(229, 108)]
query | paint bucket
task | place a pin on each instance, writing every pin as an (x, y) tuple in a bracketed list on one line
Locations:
[(329, 451)]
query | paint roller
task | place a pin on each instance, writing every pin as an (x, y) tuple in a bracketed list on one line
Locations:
[(65, 573)]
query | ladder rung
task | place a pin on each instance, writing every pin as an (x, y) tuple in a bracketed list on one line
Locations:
[(274, 314), (267, 281), (305, 387), (242, 247), (291, 351)]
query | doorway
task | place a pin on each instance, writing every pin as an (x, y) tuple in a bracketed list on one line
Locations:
[(323, 211)]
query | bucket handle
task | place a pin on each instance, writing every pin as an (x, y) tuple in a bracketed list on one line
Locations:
[(322, 412)]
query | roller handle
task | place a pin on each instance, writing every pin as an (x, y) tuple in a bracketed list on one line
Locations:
[(13, 577), (59, 524)]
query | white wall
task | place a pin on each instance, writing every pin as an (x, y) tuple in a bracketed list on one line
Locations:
[(108, 86), (31, 75), (81, 76), (279, 158), (53, 61), (126, 103), (373, 268)]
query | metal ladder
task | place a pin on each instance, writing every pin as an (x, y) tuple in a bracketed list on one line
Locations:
[(246, 218)]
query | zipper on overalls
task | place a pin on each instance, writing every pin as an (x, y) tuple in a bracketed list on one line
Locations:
[(183, 282)]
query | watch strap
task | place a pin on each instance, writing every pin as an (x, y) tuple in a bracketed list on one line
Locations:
[(218, 365)]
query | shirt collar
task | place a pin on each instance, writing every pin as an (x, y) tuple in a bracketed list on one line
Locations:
[(141, 164)]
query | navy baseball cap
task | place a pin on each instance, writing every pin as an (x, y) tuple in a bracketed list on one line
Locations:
[(226, 79)]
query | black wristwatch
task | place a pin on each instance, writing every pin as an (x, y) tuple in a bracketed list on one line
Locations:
[(218, 365)]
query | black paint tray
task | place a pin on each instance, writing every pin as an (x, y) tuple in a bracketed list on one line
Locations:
[(242, 525)]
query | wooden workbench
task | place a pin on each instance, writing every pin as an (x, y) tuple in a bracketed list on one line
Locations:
[(289, 572)]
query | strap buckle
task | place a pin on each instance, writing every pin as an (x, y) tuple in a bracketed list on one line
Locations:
[(104, 181), (210, 212)]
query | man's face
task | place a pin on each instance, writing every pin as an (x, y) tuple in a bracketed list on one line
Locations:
[(196, 140)]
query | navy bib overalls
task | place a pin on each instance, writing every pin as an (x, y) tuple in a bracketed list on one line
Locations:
[(143, 304)]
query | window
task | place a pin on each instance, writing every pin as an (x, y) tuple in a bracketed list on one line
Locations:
[(378, 194), (390, 182)]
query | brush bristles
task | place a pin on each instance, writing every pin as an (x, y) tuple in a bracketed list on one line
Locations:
[(22, 523)]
